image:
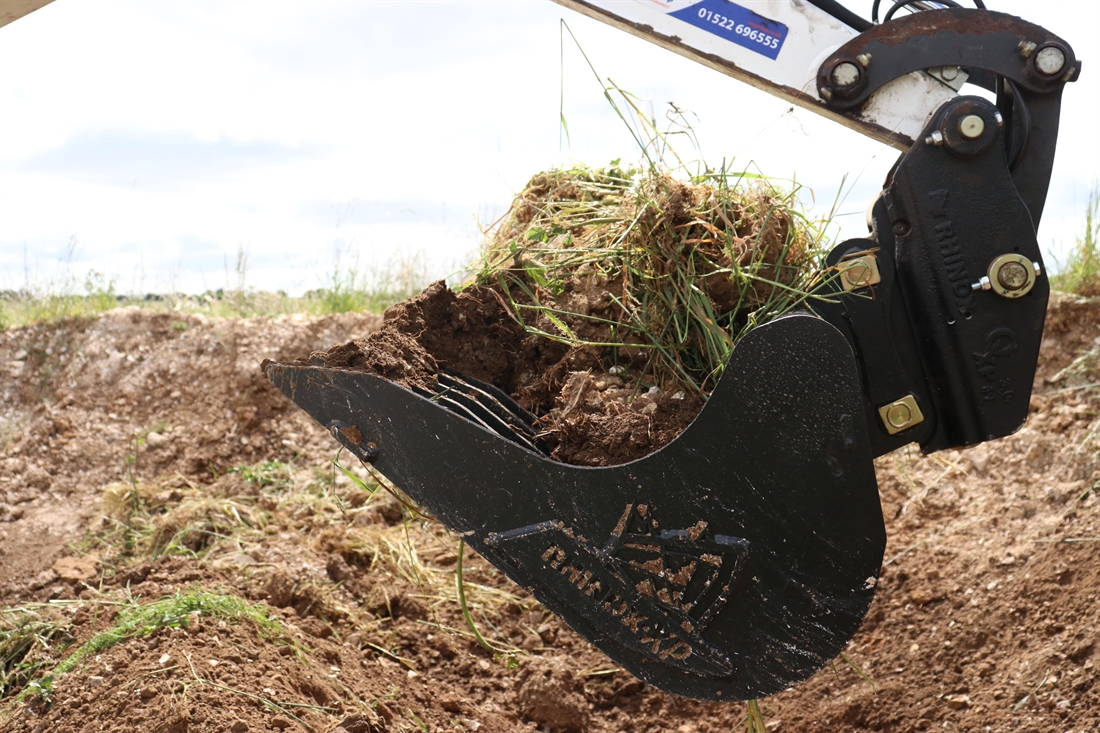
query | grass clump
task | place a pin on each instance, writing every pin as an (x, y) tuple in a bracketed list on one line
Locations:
[(1080, 273), (663, 266), (174, 611), (134, 620), (145, 520), (664, 271), (30, 639)]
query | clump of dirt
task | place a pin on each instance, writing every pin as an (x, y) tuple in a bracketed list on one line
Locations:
[(467, 332), (588, 309), (552, 697), (589, 413)]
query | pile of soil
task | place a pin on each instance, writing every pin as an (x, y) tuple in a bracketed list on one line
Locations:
[(606, 305), (985, 617), (592, 409), (88, 403)]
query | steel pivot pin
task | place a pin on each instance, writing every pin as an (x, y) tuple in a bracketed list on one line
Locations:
[(846, 74), (971, 127), (1012, 276), (1050, 60)]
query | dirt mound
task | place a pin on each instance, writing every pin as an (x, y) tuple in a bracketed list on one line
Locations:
[(84, 404), (985, 617), (591, 411), (606, 304)]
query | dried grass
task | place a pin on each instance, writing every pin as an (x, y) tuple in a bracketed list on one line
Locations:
[(650, 267)]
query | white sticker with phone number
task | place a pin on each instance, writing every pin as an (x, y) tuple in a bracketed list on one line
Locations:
[(737, 24)]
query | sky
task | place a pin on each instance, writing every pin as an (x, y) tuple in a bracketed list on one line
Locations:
[(152, 142)]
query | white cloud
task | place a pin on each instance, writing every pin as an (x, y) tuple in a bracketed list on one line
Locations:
[(380, 108), (127, 158)]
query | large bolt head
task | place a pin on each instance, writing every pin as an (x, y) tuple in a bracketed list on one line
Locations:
[(845, 74), (859, 272), (971, 127), (1050, 61), (1012, 275), (857, 276)]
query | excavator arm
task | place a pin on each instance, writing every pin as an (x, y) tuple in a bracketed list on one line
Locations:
[(778, 46), (742, 557)]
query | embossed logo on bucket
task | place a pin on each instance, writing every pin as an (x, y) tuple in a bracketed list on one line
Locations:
[(654, 591)]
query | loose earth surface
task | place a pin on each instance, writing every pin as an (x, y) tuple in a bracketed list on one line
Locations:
[(145, 458), (593, 405)]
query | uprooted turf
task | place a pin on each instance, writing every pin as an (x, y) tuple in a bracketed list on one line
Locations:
[(607, 302)]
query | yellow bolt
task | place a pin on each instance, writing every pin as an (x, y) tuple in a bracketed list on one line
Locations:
[(899, 416), (857, 275)]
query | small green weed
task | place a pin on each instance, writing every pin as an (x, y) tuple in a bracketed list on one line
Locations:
[(267, 473), (753, 722), (30, 639), (135, 620)]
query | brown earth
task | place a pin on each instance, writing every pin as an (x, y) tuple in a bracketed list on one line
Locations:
[(986, 616), (593, 405)]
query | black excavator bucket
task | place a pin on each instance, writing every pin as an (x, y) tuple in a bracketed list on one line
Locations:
[(731, 564)]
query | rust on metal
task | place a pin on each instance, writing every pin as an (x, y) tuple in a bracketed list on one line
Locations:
[(352, 433)]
